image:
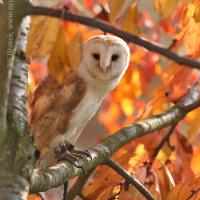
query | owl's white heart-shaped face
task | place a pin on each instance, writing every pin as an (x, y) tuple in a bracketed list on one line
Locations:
[(105, 57)]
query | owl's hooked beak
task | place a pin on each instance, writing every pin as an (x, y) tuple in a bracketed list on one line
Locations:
[(105, 68), (105, 65)]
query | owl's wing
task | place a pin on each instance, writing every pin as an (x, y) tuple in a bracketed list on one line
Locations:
[(52, 106)]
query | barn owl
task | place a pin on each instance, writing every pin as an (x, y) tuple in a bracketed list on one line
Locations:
[(59, 113)]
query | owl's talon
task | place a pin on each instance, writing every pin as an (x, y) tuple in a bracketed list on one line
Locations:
[(72, 159), (84, 153)]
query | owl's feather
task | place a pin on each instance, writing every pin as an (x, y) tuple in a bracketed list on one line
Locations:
[(52, 107)]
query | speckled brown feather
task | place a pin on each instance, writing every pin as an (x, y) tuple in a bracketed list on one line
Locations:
[(52, 107)]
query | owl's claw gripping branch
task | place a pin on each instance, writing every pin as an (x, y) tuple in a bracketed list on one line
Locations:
[(71, 154), (62, 148), (68, 149), (83, 153)]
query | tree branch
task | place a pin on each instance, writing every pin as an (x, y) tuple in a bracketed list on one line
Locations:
[(57, 175), (130, 179), (31, 10)]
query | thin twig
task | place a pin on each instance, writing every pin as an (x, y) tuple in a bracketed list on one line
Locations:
[(133, 181), (193, 193), (159, 147), (92, 22)]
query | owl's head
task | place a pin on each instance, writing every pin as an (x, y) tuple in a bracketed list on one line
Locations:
[(105, 57)]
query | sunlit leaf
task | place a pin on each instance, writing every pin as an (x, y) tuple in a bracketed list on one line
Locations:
[(118, 8), (42, 36), (58, 63), (74, 51), (160, 6), (165, 181), (186, 190), (127, 106), (130, 20), (195, 160)]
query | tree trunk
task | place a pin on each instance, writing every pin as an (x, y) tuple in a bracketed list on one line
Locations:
[(13, 187), (16, 153)]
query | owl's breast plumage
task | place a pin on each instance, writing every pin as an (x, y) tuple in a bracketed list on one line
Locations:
[(83, 113)]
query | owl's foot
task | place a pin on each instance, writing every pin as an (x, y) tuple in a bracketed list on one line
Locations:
[(83, 153), (71, 154), (72, 159)]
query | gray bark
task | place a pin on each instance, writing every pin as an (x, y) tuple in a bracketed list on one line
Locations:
[(13, 187), (16, 153)]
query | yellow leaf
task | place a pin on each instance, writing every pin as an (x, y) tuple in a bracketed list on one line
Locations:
[(130, 19), (42, 36), (166, 8), (193, 11), (58, 64), (197, 13), (164, 153), (118, 8), (127, 106), (74, 51)]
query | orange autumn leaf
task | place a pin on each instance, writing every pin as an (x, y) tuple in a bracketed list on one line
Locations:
[(188, 35), (164, 181), (182, 164), (195, 160), (34, 197), (74, 51), (58, 63), (65, 57), (42, 36), (193, 11), (165, 12), (167, 26), (178, 80), (130, 19), (186, 190), (197, 13), (119, 8)]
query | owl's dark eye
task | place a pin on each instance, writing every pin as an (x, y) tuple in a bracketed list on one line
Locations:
[(114, 57), (96, 56)]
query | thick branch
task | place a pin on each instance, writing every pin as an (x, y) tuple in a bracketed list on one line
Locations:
[(42, 180), (110, 29)]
